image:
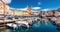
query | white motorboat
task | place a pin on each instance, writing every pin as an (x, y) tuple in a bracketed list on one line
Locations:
[(11, 25), (20, 23)]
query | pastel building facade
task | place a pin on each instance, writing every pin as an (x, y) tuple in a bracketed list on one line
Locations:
[(5, 9)]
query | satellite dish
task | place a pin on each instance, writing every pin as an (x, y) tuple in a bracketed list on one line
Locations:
[(7, 1)]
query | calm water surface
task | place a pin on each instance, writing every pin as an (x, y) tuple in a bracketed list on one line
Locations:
[(35, 28)]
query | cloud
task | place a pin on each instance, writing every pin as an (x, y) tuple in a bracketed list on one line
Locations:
[(45, 9), (22, 8), (39, 3), (36, 8), (7, 1), (12, 8)]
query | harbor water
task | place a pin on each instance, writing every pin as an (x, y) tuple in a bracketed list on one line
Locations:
[(37, 27)]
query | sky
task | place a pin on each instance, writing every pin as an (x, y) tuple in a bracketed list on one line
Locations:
[(35, 4)]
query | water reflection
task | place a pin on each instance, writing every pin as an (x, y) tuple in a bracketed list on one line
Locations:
[(36, 27)]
